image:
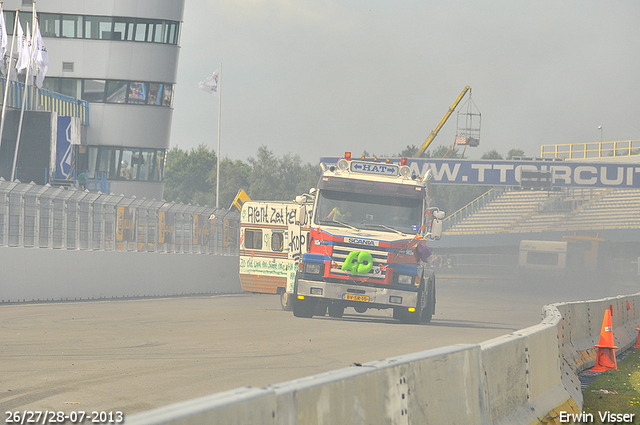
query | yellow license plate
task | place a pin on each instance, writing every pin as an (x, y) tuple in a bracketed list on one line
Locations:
[(352, 297)]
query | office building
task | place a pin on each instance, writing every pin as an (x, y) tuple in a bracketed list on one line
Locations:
[(122, 57)]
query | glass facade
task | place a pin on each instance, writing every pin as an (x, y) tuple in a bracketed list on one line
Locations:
[(122, 163), (60, 25), (113, 91)]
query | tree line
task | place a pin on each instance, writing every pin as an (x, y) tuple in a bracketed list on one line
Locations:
[(190, 176)]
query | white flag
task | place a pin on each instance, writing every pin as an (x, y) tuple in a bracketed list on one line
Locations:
[(3, 37), (23, 49), (41, 57), (3, 43), (212, 84)]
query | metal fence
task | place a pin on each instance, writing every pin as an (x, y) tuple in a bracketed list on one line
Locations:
[(34, 216)]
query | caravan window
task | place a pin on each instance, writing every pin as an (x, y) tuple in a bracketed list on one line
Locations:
[(277, 241), (253, 239)]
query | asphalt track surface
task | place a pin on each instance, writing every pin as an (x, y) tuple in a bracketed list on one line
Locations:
[(135, 355)]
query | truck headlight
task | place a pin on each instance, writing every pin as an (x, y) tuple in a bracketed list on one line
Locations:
[(312, 268), (405, 279)]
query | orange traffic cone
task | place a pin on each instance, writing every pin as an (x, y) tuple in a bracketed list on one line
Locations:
[(606, 357), (638, 340)]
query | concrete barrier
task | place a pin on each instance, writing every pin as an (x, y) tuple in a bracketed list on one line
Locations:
[(415, 388), (526, 377), (34, 274), (242, 406)]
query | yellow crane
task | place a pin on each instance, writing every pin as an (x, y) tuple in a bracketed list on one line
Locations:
[(434, 133)]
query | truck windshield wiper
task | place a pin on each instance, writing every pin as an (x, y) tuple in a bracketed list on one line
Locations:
[(340, 222), (388, 228)]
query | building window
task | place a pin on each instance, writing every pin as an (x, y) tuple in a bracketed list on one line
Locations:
[(155, 94), (116, 91), (141, 31), (107, 163), (100, 27), (167, 99), (119, 30), (133, 164), (137, 92), (129, 164), (71, 26), (131, 92), (66, 86), (93, 90), (173, 33), (49, 25)]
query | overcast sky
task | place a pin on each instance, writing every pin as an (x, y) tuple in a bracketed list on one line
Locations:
[(318, 78)]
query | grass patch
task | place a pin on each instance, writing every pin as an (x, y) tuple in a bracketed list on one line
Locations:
[(616, 391)]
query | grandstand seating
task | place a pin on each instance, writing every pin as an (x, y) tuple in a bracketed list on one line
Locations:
[(539, 211)]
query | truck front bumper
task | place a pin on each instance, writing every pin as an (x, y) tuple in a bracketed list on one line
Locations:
[(357, 295)]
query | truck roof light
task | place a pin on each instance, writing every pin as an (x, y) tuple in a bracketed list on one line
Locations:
[(347, 155), (388, 159), (403, 161)]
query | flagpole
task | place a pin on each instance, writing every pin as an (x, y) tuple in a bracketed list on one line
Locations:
[(6, 86), (24, 96), (219, 115)]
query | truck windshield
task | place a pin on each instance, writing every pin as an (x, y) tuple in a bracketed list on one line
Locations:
[(369, 211)]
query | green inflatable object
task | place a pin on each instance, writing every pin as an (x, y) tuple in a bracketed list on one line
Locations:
[(358, 262)]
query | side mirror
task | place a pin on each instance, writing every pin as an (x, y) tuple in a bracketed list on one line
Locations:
[(436, 229), (439, 214), (428, 175), (301, 215), (435, 232)]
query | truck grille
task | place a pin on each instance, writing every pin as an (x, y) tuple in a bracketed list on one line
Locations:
[(342, 251)]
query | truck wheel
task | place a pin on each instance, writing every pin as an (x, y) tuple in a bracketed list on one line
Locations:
[(303, 308), (336, 310), (360, 309), (424, 307), (430, 295), (285, 300)]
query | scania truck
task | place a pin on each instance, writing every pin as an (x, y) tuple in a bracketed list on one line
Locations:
[(357, 240)]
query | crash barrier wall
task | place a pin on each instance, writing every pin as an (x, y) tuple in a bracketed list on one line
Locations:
[(526, 377), (34, 216), (110, 246), (30, 275)]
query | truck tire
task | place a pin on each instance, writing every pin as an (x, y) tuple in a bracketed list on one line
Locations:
[(424, 307), (285, 301), (430, 305), (360, 309), (303, 308)]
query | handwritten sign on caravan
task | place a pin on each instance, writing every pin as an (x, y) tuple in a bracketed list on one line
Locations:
[(618, 175), (269, 213)]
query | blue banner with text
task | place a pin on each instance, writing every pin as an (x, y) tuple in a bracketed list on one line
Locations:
[(619, 175)]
